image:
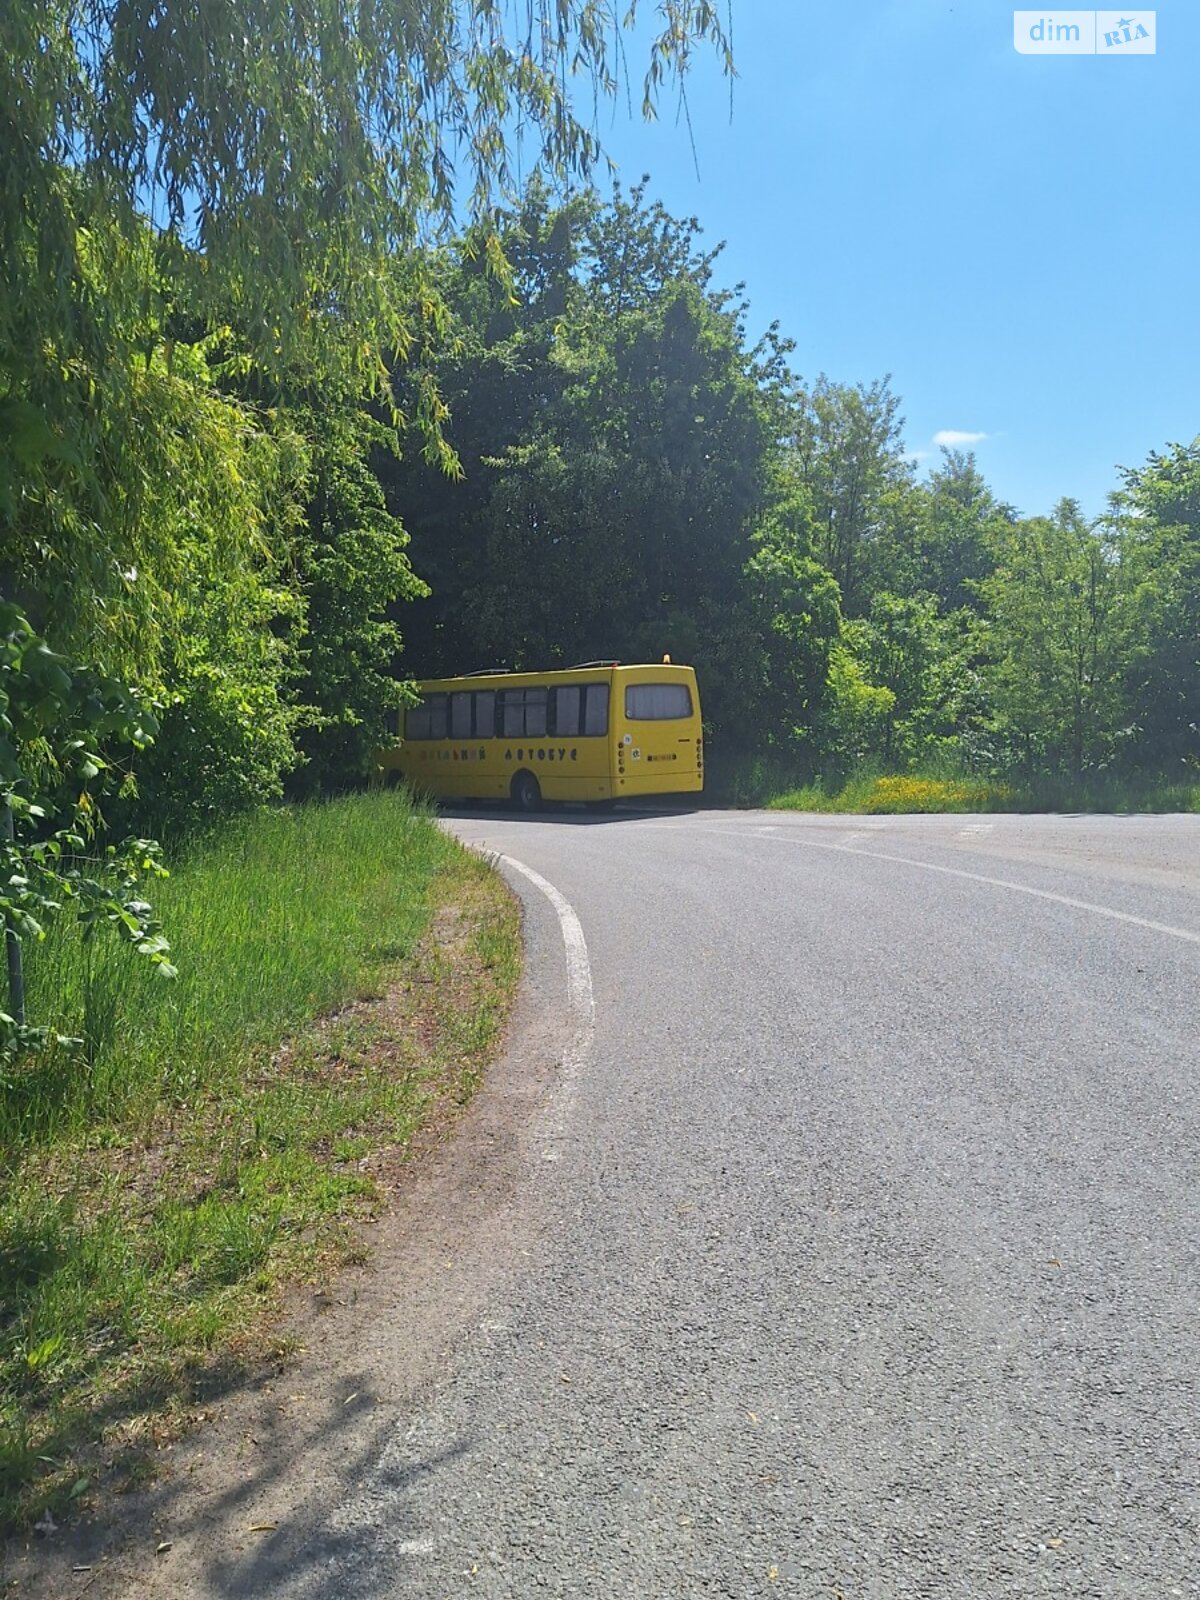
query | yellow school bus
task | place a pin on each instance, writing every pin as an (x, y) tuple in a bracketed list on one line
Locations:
[(597, 733)]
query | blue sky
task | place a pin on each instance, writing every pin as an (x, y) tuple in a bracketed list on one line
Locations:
[(1013, 237)]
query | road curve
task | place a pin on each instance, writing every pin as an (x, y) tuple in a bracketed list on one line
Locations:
[(868, 1243)]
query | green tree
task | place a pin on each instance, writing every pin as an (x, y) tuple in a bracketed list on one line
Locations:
[(617, 456), (157, 545), (938, 537), (290, 163), (790, 628), (1156, 519), (928, 664), (352, 566), (207, 212), (1060, 636), (849, 455), (859, 709)]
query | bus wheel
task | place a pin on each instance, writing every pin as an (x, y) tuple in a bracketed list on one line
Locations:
[(527, 795)]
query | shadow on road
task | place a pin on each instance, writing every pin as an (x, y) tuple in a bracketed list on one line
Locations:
[(561, 814), (318, 1551), (218, 1516)]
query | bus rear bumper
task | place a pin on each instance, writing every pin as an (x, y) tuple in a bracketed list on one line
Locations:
[(628, 788)]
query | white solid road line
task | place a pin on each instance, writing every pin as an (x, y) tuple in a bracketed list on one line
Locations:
[(786, 836), (579, 997), (1008, 883)]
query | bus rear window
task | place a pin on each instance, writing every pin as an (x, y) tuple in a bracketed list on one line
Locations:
[(657, 702)]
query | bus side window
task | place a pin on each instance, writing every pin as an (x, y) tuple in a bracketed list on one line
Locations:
[(564, 711), (535, 713), (512, 713), (428, 720), (523, 713), (595, 711), (485, 713), (460, 716), (437, 715)]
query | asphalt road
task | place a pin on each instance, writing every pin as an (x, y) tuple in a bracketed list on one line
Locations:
[(854, 1252)]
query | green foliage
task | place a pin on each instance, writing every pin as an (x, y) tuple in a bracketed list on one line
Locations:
[(859, 709), (197, 239), (929, 664), (216, 1143), (1060, 638), (940, 536), (299, 222), (1156, 522), (943, 789), (354, 570), (846, 446), (56, 719), (872, 794), (228, 486), (792, 607), (229, 721), (167, 558), (618, 444)]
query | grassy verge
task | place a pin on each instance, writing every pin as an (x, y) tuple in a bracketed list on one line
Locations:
[(871, 794), (877, 795), (1101, 793), (344, 973)]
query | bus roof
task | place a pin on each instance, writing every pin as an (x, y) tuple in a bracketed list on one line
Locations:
[(585, 672)]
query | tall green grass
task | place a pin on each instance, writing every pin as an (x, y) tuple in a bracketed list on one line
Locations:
[(278, 917), (209, 1139)]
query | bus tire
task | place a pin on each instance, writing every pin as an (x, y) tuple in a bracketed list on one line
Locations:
[(526, 792)]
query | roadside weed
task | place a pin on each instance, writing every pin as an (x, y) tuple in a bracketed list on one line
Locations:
[(344, 971)]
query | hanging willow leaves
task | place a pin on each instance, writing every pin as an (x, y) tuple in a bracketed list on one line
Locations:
[(287, 156), (211, 204)]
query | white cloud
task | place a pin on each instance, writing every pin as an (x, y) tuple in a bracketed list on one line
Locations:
[(919, 455), (953, 437)]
